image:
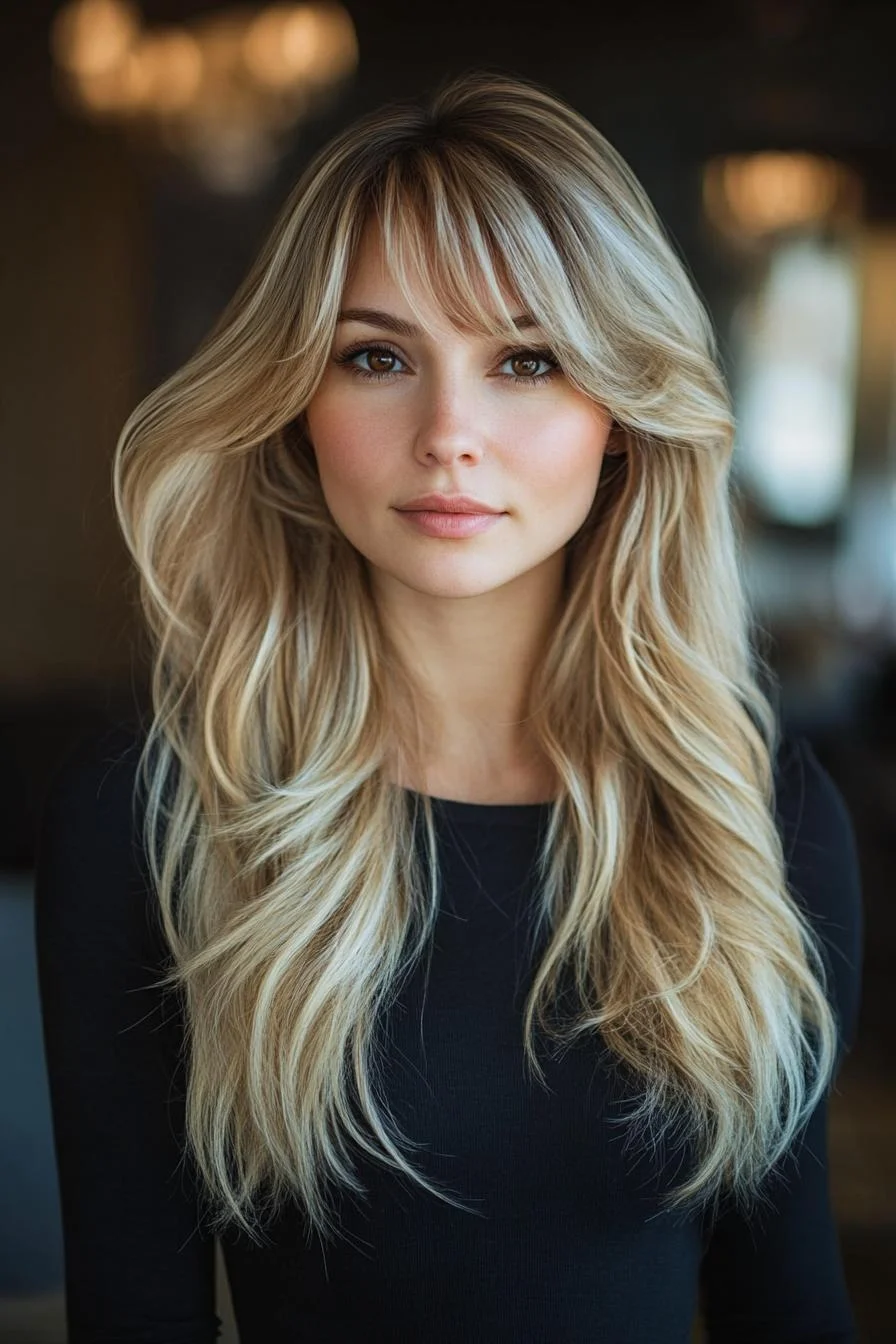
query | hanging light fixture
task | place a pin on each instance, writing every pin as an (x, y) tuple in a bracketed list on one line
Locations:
[(222, 92)]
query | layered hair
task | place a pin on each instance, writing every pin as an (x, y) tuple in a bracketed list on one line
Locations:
[(295, 887)]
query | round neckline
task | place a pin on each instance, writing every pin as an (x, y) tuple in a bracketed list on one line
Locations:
[(454, 809)]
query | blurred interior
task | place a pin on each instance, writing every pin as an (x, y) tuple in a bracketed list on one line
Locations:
[(140, 176)]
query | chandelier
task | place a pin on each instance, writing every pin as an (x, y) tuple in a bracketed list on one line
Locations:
[(222, 93)]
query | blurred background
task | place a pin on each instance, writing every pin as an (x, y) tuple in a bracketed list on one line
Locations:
[(145, 151)]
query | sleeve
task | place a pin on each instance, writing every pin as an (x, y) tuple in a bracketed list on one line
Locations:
[(778, 1278), (137, 1265)]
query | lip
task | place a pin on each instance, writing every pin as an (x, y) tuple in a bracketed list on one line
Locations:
[(441, 523), (438, 503)]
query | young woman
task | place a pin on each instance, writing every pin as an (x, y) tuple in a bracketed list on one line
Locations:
[(463, 942)]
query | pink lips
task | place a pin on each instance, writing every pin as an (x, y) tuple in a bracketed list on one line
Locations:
[(450, 503), (438, 523)]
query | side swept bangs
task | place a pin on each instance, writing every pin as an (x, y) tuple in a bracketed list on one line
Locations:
[(463, 232)]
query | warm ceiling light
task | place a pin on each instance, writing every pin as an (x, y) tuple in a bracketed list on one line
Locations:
[(283, 44), (222, 91), (288, 45), (93, 37), (167, 67), (755, 194)]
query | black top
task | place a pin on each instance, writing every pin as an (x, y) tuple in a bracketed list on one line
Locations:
[(569, 1245)]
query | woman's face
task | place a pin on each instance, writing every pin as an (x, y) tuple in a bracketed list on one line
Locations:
[(454, 414)]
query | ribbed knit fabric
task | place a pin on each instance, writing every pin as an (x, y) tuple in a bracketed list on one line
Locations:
[(563, 1240)]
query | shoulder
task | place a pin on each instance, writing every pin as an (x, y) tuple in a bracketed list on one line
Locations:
[(93, 789), (98, 930), (816, 828), (806, 796), (90, 866), (822, 863)]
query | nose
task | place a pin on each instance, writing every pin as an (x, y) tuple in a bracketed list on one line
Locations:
[(448, 429)]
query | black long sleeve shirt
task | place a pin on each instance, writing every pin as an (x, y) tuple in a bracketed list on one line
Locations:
[(568, 1244)]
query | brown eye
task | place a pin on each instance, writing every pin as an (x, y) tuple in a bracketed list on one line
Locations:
[(375, 355), (376, 359), (530, 361), (525, 364)]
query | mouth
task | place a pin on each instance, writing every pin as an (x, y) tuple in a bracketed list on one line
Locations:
[(438, 503), (442, 523)]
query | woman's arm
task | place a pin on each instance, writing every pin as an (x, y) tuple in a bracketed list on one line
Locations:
[(137, 1266), (778, 1277)]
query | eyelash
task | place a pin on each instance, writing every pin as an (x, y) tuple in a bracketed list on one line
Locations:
[(546, 356)]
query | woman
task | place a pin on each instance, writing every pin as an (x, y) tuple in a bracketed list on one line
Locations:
[(426, 796)]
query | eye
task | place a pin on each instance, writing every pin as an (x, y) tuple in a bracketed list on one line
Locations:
[(530, 357), (377, 353), (521, 377)]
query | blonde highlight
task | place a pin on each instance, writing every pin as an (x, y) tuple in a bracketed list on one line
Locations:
[(292, 888)]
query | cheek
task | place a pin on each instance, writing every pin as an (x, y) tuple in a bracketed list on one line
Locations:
[(559, 448), (345, 448)]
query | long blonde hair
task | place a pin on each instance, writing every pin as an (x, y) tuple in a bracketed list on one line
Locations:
[(291, 888)]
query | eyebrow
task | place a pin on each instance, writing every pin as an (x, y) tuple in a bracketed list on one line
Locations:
[(375, 317)]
